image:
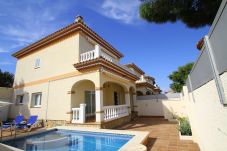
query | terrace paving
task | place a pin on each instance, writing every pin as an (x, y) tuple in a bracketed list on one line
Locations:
[(163, 134)]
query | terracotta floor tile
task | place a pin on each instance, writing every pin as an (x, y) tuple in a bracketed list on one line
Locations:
[(163, 135)]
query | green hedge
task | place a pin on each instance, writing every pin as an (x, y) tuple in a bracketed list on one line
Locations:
[(185, 127)]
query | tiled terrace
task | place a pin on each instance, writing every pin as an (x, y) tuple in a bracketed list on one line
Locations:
[(163, 134)]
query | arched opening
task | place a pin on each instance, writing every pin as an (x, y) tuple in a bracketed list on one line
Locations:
[(132, 92), (83, 92), (139, 93), (113, 94), (148, 93)]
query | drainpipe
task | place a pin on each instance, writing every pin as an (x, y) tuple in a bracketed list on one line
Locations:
[(47, 100)]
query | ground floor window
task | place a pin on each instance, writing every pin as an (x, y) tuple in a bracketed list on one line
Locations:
[(19, 99), (36, 99)]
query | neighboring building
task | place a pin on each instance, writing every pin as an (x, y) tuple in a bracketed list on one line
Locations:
[(146, 84), (73, 75)]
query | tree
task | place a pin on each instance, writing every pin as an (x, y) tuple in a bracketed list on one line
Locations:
[(6, 79), (194, 13), (179, 77)]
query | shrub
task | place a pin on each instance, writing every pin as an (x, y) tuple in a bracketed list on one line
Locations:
[(185, 127)]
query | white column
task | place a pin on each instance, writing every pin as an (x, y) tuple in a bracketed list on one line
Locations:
[(127, 101), (82, 113), (97, 51), (99, 105), (134, 101)]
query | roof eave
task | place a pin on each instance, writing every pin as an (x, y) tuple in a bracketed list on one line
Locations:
[(63, 32)]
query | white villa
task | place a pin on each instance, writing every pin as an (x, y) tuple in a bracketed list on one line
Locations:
[(74, 76)]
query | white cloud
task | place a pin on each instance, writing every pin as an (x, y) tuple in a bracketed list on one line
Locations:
[(6, 63), (3, 51), (29, 22), (125, 11)]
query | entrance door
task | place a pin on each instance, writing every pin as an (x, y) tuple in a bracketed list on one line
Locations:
[(90, 103)]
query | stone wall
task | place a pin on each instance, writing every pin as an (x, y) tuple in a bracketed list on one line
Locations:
[(6, 96), (6, 93)]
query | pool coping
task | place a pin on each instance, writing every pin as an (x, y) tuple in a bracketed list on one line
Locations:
[(136, 143)]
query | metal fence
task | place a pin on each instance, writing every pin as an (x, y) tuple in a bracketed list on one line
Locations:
[(212, 61)]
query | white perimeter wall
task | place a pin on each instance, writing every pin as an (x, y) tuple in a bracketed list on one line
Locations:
[(208, 117), (160, 107)]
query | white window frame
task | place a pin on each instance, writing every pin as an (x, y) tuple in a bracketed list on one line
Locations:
[(37, 63), (33, 102), (19, 101)]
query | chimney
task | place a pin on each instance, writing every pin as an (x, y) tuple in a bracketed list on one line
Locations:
[(79, 19)]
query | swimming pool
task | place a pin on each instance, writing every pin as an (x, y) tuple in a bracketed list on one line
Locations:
[(70, 140)]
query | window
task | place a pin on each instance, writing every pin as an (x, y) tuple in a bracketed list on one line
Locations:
[(37, 63), (19, 99), (36, 99)]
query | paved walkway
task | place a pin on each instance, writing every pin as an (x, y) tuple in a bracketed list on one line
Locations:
[(163, 135)]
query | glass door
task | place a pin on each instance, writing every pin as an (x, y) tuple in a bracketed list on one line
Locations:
[(90, 103)]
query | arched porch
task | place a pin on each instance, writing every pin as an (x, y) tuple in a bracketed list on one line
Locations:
[(116, 100), (139, 93), (113, 94), (99, 103), (83, 101)]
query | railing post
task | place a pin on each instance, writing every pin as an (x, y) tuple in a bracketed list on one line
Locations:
[(82, 113), (97, 51)]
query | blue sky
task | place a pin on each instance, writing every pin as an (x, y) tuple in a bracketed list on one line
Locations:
[(158, 49)]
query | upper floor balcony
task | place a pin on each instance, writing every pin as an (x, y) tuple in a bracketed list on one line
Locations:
[(146, 79), (97, 52), (99, 58)]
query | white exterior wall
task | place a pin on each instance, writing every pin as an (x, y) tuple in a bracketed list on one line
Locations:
[(208, 116), (56, 100), (55, 59)]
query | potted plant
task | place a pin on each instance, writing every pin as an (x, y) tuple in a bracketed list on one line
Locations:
[(184, 128)]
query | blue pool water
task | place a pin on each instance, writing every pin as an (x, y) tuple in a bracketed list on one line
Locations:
[(70, 140)]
